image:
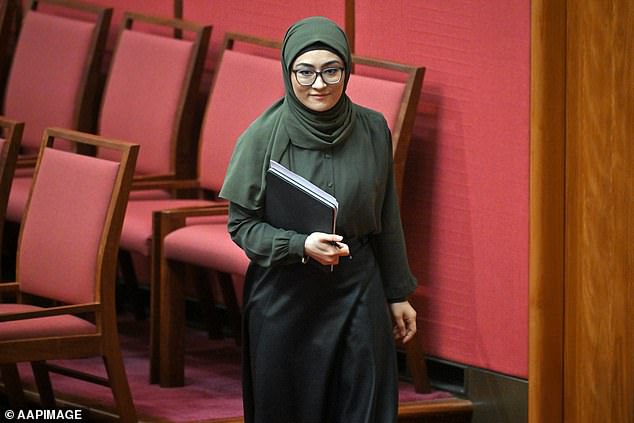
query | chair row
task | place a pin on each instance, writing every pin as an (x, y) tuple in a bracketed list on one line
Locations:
[(178, 233), (149, 95)]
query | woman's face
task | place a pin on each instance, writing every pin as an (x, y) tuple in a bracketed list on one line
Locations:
[(319, 96)]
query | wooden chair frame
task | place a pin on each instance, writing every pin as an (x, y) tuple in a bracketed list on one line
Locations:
[(104, 342), (167, 338), (11, 131), (10, 16)]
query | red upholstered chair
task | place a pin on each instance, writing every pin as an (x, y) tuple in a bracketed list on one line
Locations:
[(244, 85), (54, 79), (10, 137), (67, 262), (209, 246), (151, 98)]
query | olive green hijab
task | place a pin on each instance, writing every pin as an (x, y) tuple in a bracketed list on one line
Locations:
[(288, 120), (307, 128)]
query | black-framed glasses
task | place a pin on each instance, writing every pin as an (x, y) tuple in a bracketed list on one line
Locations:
[(307, 77)]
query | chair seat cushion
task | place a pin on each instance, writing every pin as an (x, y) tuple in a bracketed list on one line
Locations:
[(206, 245), (41, 327), (136, 235)]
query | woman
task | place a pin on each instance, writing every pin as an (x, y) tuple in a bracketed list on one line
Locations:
[(319, 345)]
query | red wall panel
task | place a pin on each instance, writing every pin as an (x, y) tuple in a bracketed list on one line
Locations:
[(466, 188), (269, 18)]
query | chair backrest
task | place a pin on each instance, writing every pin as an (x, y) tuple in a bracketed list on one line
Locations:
[(151, 91), (245, 84), (394, 90), (10, 137), (72, 224), (54, 76)]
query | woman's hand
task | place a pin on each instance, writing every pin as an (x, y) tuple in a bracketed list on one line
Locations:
[(325, 248), (404, 317)]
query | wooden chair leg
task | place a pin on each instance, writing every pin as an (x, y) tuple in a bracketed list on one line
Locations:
[(128, 273), (119, 384), (157, 269), (231, 301), (211, 316), (172, 325), (13, 385), (416, 365), (43, 382)]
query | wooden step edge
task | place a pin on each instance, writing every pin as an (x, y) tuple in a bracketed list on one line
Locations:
[(435, 407)]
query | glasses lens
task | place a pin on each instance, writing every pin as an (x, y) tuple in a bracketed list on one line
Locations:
[(306, 77), (331, 75)]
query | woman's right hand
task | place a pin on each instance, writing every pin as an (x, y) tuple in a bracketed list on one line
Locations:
[(325, 248)]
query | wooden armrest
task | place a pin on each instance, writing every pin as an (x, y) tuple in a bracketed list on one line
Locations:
[(26, 161), (154, 177), (195, 211), (9, 287), (51, 311), (149, 184), (168, 220)]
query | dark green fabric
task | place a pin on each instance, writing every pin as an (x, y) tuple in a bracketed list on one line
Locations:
[(288, 120), (356, 170), (360, 176)]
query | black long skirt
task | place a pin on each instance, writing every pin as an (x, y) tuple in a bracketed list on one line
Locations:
[(318, 346)]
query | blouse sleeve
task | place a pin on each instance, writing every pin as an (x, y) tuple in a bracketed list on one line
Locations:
[(390, 248), (264, 244)]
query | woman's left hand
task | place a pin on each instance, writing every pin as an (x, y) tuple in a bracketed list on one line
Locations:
[(404, 317)]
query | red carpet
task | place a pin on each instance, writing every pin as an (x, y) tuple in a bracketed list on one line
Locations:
[(212, 388)]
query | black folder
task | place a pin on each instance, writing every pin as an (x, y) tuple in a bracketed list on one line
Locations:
[(294, 203)]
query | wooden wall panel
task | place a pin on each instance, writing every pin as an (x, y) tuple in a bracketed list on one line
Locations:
[(546, 262), (582, 132), (599, 335)]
